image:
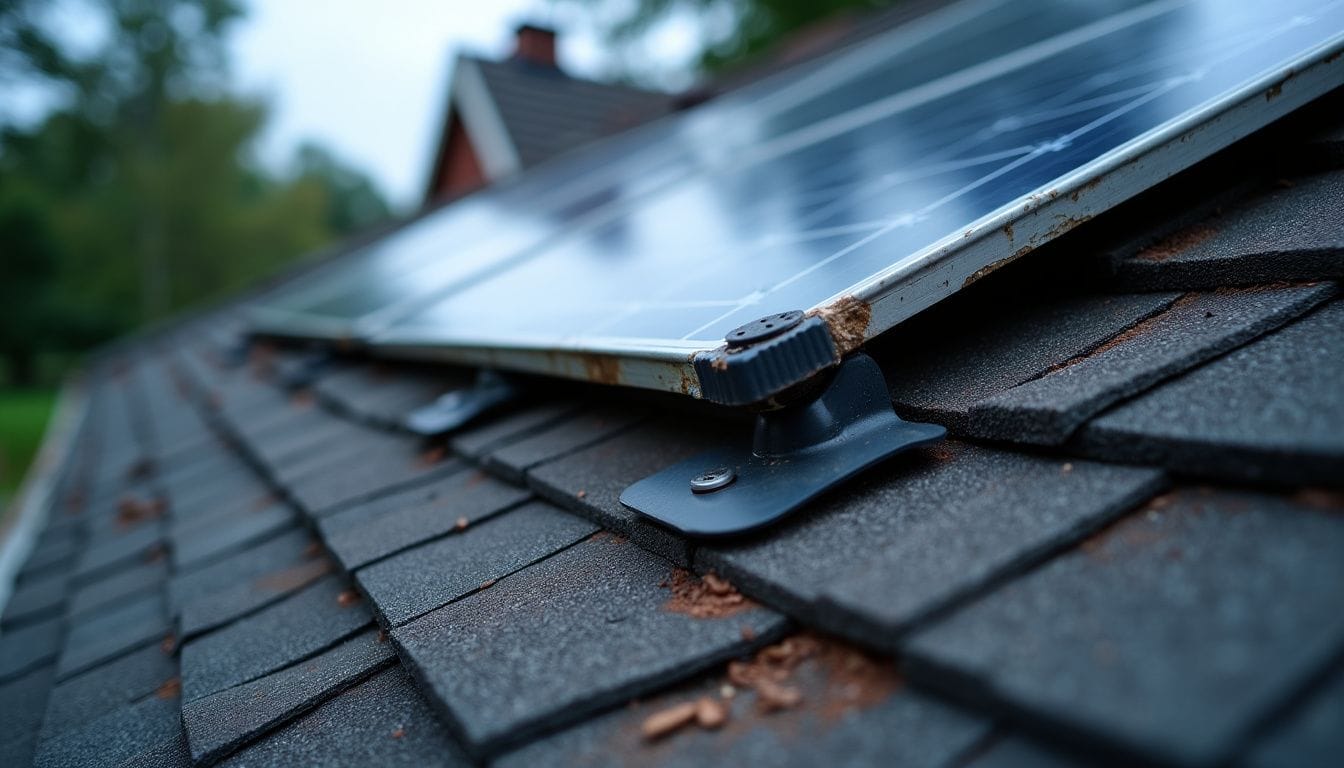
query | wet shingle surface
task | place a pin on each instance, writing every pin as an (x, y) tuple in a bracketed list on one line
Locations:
[(219, 723), (1291, 233), (105, 635), (1311, 733), (479, 439), (22, 703), (942, 379), (1270, 411), (366, 532), (382, 721), (378, 465), (589, 482), (536, 649), (426, 577), (116, 552), (115, 738), (852, 710), (1172, 633), (513, 460), (244, 522), (88, 696), (290, 630), (1195, 328), (120, 587), (934, 528), (35, 599), (235, 586)]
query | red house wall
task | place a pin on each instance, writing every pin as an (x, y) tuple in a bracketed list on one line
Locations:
[(459, 170)]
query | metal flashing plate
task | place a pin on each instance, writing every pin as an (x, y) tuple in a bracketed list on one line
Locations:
[(863, 187)]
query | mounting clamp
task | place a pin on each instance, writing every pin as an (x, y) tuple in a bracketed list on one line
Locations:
[(799, 451), (456, 409), (766, 357), (304, 370)]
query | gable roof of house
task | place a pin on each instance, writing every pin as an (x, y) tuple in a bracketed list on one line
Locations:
[(519, 113), (1129, 552)]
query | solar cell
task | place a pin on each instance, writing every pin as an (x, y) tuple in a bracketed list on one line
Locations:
[(864, 187)]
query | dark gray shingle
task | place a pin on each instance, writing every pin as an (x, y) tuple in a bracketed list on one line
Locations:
[(1170, 634), (366, 532), (426, 577), (1194, 329), (293, 629), (218, 724), (580, 631), (1293, 233), (922, 532), (1270, 411), (382, 721)]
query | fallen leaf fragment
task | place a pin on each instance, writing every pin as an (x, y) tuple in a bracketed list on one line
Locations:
[(772, 697), (669, 720), (710, 713)]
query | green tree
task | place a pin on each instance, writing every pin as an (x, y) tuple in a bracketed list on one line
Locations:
[(136, 196), (353, 203), (735, 30)]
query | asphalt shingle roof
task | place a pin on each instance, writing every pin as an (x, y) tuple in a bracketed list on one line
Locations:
[(547, 113), (1130, 550)]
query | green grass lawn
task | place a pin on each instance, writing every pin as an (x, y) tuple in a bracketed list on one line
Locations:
[(23, 416)]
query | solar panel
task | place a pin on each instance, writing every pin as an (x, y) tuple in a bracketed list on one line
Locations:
[(863, 188)]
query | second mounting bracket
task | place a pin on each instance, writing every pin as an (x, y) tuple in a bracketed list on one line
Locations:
[(797, 453)]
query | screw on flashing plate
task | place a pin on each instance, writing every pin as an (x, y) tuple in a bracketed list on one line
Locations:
[(712, 480)]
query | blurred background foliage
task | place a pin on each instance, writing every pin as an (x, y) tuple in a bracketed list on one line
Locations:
[(733, 32), (137, 195)]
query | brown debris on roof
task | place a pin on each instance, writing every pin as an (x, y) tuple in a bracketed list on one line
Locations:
[(132, 510), (347, 598), (171, 688), (665, 722), (1135, 331), (805, 675), (1136, 530), (1324, 499), (293, 577), (1176, 243), (710, 713), (432, 455), (707, 597)]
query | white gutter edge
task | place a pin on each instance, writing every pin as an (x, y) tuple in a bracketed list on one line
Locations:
[(35, 496)]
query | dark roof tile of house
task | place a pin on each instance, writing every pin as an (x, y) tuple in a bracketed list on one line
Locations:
[(547, 113)]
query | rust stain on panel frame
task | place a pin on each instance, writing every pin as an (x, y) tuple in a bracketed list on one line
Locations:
[(601, 369), (1065, 224), (847, 320)]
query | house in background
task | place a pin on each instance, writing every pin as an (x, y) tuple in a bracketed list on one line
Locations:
[(506, 116)]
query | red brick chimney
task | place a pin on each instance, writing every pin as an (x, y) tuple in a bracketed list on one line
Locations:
[(535, 45)]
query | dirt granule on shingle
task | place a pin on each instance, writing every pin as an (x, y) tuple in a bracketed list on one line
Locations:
[(705, 597)]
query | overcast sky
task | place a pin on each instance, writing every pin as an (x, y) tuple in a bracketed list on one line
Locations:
[(369, 80)]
